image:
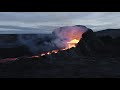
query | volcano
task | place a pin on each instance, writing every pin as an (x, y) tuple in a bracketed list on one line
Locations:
[(27, 45), (88, 57)]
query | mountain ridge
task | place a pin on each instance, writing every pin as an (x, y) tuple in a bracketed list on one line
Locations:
[(109, 32)]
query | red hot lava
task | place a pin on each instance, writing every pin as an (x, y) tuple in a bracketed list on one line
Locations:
[(70, 36), (70, 44)]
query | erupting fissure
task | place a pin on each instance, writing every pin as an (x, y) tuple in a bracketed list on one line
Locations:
[(69, 45), (65, 38)]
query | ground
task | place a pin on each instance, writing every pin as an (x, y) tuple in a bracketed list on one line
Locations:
[(82, 67)]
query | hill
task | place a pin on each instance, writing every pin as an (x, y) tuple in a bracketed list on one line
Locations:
[(109, 32)]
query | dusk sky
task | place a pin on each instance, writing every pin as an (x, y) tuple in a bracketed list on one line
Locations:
[(34, 20)]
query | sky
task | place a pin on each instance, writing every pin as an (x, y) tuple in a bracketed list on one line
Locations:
[(43, 21)]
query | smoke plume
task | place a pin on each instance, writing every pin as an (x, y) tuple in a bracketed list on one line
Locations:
[(57, 40), (68, 33), (39, 43)]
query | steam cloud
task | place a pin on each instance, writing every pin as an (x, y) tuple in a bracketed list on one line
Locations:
[(68, 33), (58, 39)]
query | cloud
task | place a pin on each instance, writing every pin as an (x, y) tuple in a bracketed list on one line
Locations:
[(35, 19)]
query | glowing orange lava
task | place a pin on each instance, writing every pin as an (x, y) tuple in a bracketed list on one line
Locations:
[(42, 54), (55, 51), (70, 44), (35, 56)]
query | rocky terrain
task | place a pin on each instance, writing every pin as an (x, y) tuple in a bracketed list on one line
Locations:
[(114, 33), (93, 57)]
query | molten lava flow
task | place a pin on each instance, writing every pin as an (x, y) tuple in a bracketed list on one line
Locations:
[(72, 43), (42, 54), (69, 45), (48, 53), (35, 56), (55, 51), (66, 38)]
